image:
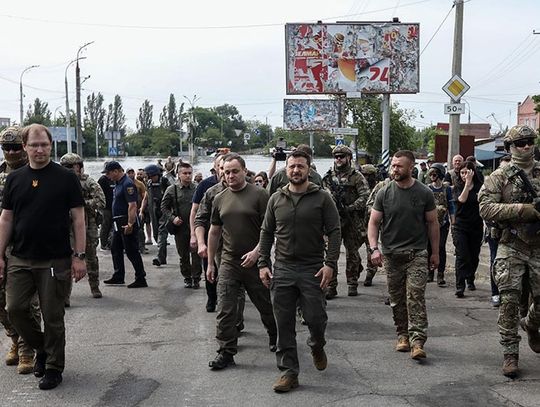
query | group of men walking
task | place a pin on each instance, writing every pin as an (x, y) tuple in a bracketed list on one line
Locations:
[(228, 226)]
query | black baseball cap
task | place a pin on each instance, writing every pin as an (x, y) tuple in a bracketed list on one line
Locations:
[(111, 166)]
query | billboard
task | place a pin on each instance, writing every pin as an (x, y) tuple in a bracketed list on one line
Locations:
[(348, 57), (310, 114)]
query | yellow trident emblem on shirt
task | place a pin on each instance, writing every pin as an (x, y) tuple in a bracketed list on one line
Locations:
[(34, 183)]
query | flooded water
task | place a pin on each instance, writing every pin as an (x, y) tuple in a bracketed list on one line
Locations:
[(255, 163)]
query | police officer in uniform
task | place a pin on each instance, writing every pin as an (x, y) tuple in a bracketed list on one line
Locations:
[(94, 203), (350, 192), (507, 198), (19, 354)]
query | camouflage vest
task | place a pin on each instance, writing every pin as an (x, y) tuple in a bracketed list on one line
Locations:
[(514, 191), (441, 203)]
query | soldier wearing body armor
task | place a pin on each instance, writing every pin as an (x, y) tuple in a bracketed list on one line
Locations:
[(508, 198), (350, 191), (19, 354), (94, 203), (156, 186)]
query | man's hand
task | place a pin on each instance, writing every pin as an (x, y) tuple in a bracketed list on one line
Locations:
[(376, 258), (2, 269), (78, 268), (128, 230), (266, 276), (177, 221), (193, 242), (211, 273), (203, 251), (434, 261), (325, 273), (250, 258)]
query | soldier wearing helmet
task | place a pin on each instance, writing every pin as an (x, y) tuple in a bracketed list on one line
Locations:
[(444, 203), (350, 192), (508, 198), (14, 157), (94, 203)]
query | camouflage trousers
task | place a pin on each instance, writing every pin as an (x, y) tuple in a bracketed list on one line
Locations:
[(510, 269), (406, 275), (92, 263), (10, 330), (353, 238)]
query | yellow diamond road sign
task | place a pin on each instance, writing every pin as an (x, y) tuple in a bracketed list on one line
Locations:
[(456, 88)]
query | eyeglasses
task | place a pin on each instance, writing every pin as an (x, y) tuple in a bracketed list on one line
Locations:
[(524, 142), (35, 146), (12, 147), (339, 156), (258, 182)]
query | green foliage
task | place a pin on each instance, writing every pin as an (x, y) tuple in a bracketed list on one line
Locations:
[(426, 137), (170, 118), (38, 113), (144, 121), (158, 141), (367, 117), (116, 120)]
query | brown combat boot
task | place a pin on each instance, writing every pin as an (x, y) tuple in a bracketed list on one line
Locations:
[(352, 291), (417, 351), (319, 358), (12, 357), (533, 336), (96, 293), (510, 365), (403, 344), (285, 384), (26, 364)]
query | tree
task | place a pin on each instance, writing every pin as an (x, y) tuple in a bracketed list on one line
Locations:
[(144, 122), (38, 113), (116, 120), (170, 118), (95, 116)]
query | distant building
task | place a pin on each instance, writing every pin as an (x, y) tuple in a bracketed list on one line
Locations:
[(468, 134), (526, 114), (5, 122), (479, 131)]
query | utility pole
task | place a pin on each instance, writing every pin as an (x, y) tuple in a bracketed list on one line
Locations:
[(22, 94), (385, 109), (78, 99), (453, 130)]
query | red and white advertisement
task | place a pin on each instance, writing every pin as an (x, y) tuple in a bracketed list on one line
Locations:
[(340, 58)]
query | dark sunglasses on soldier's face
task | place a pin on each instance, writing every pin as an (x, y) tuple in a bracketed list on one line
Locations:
[(12, 147), (340, 156), (524, 142), (67, 165)]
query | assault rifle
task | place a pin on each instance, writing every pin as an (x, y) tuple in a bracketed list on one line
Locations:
[(338, 193), (533, 228)]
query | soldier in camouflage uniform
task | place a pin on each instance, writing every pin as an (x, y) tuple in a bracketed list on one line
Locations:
[(505, 199), (404, 210), (94, 203), (350, 192), (19, 354)]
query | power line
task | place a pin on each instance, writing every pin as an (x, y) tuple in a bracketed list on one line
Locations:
[(209, 27), (437, 30)]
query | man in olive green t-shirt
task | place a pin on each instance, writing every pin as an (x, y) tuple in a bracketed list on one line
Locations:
[(237, 215), (405, 211)]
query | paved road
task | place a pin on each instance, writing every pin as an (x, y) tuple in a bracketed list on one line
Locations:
[(151, 347)]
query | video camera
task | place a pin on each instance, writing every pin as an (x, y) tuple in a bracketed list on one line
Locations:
[(279, 153)]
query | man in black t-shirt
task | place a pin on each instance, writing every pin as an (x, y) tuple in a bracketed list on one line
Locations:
[(105, 231), (41, 202)]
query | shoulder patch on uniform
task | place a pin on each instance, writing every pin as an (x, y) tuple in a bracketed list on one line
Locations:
[(130, 190)]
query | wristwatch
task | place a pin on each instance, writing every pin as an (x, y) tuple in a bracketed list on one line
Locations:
[(372, 250), (80, 256)]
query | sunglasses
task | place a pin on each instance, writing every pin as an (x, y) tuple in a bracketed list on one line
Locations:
[(67, 165), (524, 142), (12, 147), (340, 156)]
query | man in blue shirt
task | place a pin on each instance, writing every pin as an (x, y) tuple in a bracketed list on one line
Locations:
[(126, 225)]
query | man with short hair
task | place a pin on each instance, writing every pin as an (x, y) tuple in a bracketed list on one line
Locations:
[(156, 186), (405, 211), (44, 197), (298, 216), (237, 215), (141, 195), (452, 175), (176, 207), (126, 225)]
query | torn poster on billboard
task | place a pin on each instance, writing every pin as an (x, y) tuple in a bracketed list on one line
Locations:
[(310, 114)]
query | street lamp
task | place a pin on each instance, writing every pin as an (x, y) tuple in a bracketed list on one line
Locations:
[(267, 129), (192, 124), (68, 136), (21, 91), (78, 97)]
